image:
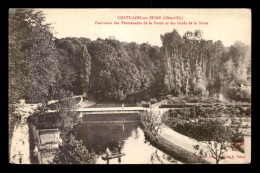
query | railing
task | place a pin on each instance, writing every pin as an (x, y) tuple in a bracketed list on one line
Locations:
[(113, 105)]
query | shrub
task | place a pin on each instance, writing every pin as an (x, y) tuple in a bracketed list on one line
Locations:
[(193, 100), (203, 130), (170, 101), (184, 112), (205, 94), (145, 104), (152, 122), (248, 112), (74, 152), (168, 97), (45, 120), (245, 95), (233, 92), (198, 90), (237, 139), (153, 100), (210, 100)]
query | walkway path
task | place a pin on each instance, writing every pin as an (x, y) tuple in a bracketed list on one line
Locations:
[(20, 148), (55, 101)]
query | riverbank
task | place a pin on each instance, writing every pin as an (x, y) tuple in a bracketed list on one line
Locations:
[(182, 147), (168, 143), (171, 149)]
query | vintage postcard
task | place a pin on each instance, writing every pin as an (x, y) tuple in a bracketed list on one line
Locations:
[(129, 86)]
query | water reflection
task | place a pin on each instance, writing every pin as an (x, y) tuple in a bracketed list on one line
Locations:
[(100, 136), (129, 136)]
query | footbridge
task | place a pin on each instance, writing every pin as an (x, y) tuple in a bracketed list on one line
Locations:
[(109, 114), (115, 110)]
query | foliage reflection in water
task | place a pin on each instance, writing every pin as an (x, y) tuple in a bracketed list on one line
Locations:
[(129, 136)]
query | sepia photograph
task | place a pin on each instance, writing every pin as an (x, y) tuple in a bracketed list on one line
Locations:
[(129, 86)]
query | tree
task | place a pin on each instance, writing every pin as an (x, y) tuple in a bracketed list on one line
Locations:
[(33, 62), (75, 64), (116, 74), (43, 64), (71, 151), (199, 89), (152, 122), (119, 70), (215, 149), (173, 58), (215, 142), (74, 152), (84, 69), (230, 69), (67, 71), (18, 62), (168, 78), (235, 89)]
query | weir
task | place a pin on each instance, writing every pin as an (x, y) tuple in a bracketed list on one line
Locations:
[(110, 115)]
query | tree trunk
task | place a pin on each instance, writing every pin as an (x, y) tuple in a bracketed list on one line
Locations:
[(187, 84)]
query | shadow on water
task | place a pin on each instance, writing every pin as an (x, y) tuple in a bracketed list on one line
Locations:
[(114, 132), (109, 134), (99, 136)]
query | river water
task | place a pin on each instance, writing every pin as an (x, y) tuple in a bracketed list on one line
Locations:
[(101, 135)]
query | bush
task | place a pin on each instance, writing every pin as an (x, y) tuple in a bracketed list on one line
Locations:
[(234, 93), (210, 100), (203, 130), (237, 141), (145, 104), (170, 101), (211, 111), (45, 120), (193, 100), (168, 97), (183, 113), (205, 94), (198, 90), (245, 94), (74, 152), (248, 112), (153, 100)]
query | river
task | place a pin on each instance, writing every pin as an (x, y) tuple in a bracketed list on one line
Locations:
[(100, 135), (101, 131)]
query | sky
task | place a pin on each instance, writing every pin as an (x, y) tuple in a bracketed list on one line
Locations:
[(227, 25)]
